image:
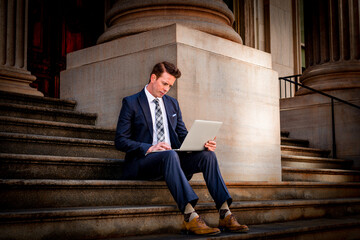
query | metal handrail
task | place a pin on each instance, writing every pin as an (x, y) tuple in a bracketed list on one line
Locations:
[(297, 80), (297, 84)]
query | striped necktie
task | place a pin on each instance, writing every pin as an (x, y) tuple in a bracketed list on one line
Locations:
[(159, 122)]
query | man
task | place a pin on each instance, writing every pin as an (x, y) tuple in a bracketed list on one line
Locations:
[(151, 121)]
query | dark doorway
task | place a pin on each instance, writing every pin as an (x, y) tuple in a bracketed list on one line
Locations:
[(58, 27)]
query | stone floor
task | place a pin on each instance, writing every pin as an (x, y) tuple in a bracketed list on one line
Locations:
[(321, 228)]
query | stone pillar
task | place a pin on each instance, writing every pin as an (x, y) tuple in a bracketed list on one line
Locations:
[(332, 45), (333, 65), (14, 76), (127, 17)]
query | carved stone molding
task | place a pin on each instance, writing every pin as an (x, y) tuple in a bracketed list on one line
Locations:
[(14, 76), (332, 45), (127, 17)]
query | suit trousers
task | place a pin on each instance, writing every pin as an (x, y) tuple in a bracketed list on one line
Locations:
[(177, 167)]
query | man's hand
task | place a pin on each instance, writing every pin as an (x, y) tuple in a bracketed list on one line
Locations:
[(211, 145), (160, 146)]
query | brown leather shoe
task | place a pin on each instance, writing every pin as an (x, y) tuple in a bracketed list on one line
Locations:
[(229, 224), (199, 227)]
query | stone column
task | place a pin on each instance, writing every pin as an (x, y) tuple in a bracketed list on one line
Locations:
[(332, 45), (127, 17), (333, 65), (14, 76)]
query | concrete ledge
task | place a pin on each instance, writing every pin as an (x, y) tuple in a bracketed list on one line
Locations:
[(301, 151), (39, 101), (45, 193), (169, 34), (294, 142), (320, 175), (108, 222), (320, 229), (51, 128), (58, 146), (314, 162), (13, 166), (51, 114)]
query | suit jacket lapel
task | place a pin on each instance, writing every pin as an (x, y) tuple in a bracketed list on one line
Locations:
[(173, 135), (146, 110), (168, 112)]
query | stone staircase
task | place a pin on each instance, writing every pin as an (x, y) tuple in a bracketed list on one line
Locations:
[(59, 180), (301, 163)]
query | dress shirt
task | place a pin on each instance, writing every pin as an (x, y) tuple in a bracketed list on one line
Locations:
[(150, 99)]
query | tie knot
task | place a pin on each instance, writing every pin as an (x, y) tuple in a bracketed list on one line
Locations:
[(156, 101)]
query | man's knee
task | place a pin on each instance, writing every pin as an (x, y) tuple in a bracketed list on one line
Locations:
[(209, 155), (170, 156)]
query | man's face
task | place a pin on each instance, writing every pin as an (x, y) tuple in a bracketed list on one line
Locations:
[(158, 87)]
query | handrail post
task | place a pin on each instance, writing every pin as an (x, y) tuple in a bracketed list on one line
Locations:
[(333, 128)]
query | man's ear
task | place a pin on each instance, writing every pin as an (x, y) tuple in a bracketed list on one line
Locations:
[(153, 77)]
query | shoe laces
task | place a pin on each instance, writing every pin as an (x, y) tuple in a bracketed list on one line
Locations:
[(201, 221), (232, 218)]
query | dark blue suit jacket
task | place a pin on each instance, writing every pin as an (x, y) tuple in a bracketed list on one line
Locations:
[(134, 132)]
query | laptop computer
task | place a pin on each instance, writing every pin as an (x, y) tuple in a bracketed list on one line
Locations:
[(200, 132)]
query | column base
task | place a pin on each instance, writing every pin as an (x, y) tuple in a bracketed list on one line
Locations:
[(331, 76), (18, 82)]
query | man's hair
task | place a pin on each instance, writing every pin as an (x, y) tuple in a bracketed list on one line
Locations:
[(161, 67)]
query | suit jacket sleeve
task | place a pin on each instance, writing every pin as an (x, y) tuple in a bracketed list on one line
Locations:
[(130, 137), (180, 126)]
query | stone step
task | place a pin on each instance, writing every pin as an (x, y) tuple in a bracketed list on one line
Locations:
[(304, 151), (27, 166), (294, 142), (107, 222), (285, 134), (51, 128), (48, 114), (320, 175), (344, 228), (48, 193), (57, 146), (23, 99), (314, 162)]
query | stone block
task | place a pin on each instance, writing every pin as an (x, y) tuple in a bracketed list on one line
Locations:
[(221, 80)]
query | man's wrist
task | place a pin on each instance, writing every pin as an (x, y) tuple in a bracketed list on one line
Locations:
[(150, 149)]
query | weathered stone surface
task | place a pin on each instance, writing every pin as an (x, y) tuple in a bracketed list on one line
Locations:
[(23, 99), (135, 16), (239, 79), (314, 162), (320, 175), (309, 117), (345, 228), (108, 222), (304, 151), (27, 166), (45, 193), (333, 53), (14, 76), (294, 142), (50, 114), (52, 128), (58, 146)]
